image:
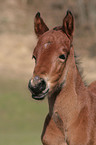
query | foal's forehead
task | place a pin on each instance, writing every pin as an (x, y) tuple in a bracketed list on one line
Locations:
[(52, 40), (53, 36)]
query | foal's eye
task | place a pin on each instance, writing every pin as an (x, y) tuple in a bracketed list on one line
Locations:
[(34, 58), (62, 57)]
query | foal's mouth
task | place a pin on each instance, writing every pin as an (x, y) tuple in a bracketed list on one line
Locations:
[(40, 96)]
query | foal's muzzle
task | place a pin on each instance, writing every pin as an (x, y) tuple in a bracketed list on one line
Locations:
[(38, 88)]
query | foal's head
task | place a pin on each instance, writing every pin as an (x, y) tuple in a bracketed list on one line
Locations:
[(50, 55)]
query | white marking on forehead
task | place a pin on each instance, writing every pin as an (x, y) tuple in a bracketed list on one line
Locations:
[(46, 44)]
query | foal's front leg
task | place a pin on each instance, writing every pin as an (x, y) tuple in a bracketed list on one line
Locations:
[(51, 135)]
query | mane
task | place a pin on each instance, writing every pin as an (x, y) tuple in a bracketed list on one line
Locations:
[(79, 68), (57, 28)]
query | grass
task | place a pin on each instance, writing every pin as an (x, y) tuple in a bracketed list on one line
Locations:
[(20, 138), (21, 118)]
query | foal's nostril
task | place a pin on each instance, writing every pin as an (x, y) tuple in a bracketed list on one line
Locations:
[(42, 85)]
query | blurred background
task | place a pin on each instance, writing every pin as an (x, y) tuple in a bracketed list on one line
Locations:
[(21, 118)]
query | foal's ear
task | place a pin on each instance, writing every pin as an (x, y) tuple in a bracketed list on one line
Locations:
[(39, 25), (68, 24)]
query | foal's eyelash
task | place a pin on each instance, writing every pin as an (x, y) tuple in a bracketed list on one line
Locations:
[(33, 57)]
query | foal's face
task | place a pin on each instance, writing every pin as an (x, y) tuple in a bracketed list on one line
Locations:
[(50, 55)]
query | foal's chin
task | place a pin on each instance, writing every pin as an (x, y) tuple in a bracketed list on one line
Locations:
[(40, 96)]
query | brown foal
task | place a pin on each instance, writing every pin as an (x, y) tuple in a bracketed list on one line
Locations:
[(72, 105)]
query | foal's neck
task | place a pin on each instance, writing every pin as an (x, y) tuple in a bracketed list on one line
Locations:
[(75, 84)]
